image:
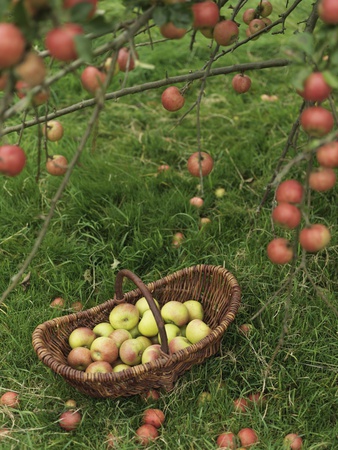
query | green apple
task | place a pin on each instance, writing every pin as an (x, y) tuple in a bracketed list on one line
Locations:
[(146, 342), (178, 343), (103, 329), (120, 335), (135, 332), (79, 358), (195, 309), (99, 367), (175, 312), (104, 349), (124, 315), (151, 353), (172, 331), (142, 305), (197, 330), (120, 367), (81, 337), (148, 326), (131, 352)]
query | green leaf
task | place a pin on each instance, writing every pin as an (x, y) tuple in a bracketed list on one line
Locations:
[(303, 42), (80, 12), (181, 15), (100, 26), (83, 47), (331, 79)]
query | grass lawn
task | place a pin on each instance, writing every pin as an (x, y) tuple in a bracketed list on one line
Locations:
[(119, 212)]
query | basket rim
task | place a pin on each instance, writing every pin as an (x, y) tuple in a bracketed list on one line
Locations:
[(161, 363)]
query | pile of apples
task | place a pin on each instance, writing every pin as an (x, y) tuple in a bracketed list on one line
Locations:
[(131, 335)]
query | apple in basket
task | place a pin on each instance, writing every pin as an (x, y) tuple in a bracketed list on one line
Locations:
[(195, 309), (151, 353), (178, 343), (104, 349), (142, 305), (70, 420), (81, 337), (120, 367), (131, 352), (148, 326), (175, 312), (79, 358), (124, 315), (103, 329), (99, 367), (171, 330), (119, 336), (197, 330)]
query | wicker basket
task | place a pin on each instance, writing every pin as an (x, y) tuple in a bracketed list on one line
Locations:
[(215, 287)]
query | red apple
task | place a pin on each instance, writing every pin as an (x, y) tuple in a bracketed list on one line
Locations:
[(327, 154), (280, 251), (71, 3), (99, 367), (146, 434), (322, 179), (241, 83), (328, 11), (293, 442), (104, 349), (315, 88), (70, 420), (226, 32), (314, 238), (60, 41), (77, 306), (287, 215), (170, 31), (12, 45), (264, 8), (57, 165), (53, 130), (32, 69), (197, 159), (92, 79), (256, 25), (153, 416), (316, 121), (196, 201), (125, 60), (290, 191), (79, 358), (247, 437), (10, 399), (227, 440), (58, 303), (249, 15), (240, 404), (172, 99), (205, 14), (12, 160)]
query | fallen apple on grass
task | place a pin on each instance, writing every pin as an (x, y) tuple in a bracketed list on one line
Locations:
[(227, 440), (153, 416), (70, 420), (58, 303), (292, 442), (146, 434), (10, 399), (247, 437)]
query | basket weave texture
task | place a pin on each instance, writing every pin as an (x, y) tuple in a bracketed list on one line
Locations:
[(215, 287)]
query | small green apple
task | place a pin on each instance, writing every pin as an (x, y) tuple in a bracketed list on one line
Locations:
[(195, 309), (172, 331), (81, 337), (146, 342), (175, 312), (124, 315), (142, 305), (148, 326), (120, 367), (197, 330), (103, 329)]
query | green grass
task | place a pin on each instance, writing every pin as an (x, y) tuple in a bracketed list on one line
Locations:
[(118, 212)]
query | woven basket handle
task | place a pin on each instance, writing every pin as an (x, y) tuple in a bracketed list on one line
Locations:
[(152, 305)]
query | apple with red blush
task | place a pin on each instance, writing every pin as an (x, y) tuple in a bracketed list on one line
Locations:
[(314, 238), (70, 420), (247, 437), (322, 179), (53, 130), (12, 45), (293, 441), (57, 165), (92, 79), (125, 59), (12, 160), (10, 399), (287, 215), (280, 251), (153, 416), (328, 11), (172, 99), (327, 155), (226, 440), (170, 31), (241, 83), (226, 32), (290, 191), (205, 14), (316, 121), (200, 160), (79, 358), (60, 41), (146, 434)]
